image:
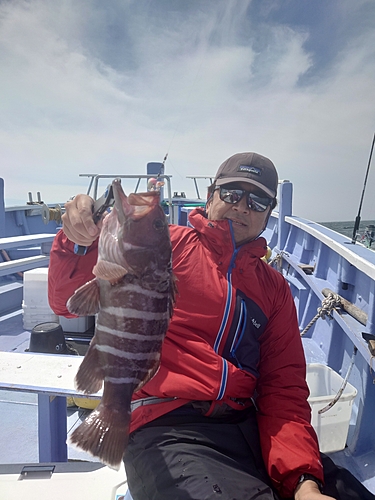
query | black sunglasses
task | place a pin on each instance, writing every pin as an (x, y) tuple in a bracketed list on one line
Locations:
[(254, 202)]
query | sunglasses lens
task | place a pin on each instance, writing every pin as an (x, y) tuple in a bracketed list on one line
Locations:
[(254, 202), (231, 196), (258, 203)]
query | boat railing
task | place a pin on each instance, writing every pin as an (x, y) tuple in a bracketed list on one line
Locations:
[(174, 203), (40, 242), (19, 254), (95, 178), (316, 260), (195, 177), (288, 228), (94, 181), (312, 258), (92, 189)]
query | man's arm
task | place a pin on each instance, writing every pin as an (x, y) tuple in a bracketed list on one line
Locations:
[(68, 270), (309, 490), (289, 443)]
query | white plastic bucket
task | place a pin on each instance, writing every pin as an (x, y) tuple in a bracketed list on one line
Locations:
[(331, 426)]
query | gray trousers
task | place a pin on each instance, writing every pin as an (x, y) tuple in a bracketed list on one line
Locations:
[(185, 456), (191, 457)]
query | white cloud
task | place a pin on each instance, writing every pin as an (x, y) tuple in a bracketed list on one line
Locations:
[(193, 88)]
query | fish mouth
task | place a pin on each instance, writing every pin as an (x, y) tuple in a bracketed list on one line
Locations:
[(136, 205)]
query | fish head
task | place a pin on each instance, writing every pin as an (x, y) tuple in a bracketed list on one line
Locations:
[(140, 228)]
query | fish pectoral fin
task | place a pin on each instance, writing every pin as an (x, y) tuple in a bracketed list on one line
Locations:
[(109, 271), (85, 300)]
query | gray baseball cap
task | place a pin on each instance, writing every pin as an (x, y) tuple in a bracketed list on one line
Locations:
[(249, 167)]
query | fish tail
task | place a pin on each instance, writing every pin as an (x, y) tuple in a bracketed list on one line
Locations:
[(90, 375), (104, 434)]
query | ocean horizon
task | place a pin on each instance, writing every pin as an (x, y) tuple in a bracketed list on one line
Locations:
[(346, 227)]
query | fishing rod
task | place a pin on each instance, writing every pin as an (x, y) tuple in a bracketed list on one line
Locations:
[(358, 218)]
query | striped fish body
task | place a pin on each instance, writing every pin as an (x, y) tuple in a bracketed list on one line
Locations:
[(133, 295)]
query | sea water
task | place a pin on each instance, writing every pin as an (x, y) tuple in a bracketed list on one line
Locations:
[(346, 227)]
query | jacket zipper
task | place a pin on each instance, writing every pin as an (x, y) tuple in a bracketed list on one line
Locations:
[(229, 293)]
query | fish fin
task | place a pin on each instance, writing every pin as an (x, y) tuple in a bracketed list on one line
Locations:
[(90, 375), (85, 300), (104, 434), (109, 271)]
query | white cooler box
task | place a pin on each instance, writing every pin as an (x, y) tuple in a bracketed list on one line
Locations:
[(35, 304)]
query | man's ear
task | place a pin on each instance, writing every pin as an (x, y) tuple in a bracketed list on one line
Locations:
[(209, 201)]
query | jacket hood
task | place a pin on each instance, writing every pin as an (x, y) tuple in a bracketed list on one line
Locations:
[(218, 236)]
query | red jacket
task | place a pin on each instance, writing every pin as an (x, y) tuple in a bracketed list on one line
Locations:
[(234, 331)]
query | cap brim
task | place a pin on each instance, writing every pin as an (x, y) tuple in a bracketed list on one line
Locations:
[(229, 180)]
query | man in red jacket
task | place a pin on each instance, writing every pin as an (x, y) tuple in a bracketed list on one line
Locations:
[(226, 416)]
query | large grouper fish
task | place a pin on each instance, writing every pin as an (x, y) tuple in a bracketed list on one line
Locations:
[(133, 296)]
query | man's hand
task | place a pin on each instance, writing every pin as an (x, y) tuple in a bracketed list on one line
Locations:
[(308, 490), (78, 223)]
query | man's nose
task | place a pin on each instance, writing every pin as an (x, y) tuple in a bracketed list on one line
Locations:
[(241, 206)]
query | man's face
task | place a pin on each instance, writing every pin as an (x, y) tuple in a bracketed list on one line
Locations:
[(247, 224)]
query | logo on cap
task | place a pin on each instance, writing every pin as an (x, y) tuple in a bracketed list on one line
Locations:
[(249, 169)]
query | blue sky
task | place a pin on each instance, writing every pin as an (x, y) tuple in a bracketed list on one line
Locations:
[(105, 87)]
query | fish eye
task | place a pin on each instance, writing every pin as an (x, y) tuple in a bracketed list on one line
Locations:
[(158, 224)]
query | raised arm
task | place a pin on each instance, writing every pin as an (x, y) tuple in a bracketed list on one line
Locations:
[(68, 270)]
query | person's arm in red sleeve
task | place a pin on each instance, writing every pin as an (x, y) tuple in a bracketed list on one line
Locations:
[(289, 443), (67, 270)]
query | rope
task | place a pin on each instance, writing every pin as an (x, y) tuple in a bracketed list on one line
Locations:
[(330, 303), (343, 385), (278, 259)]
